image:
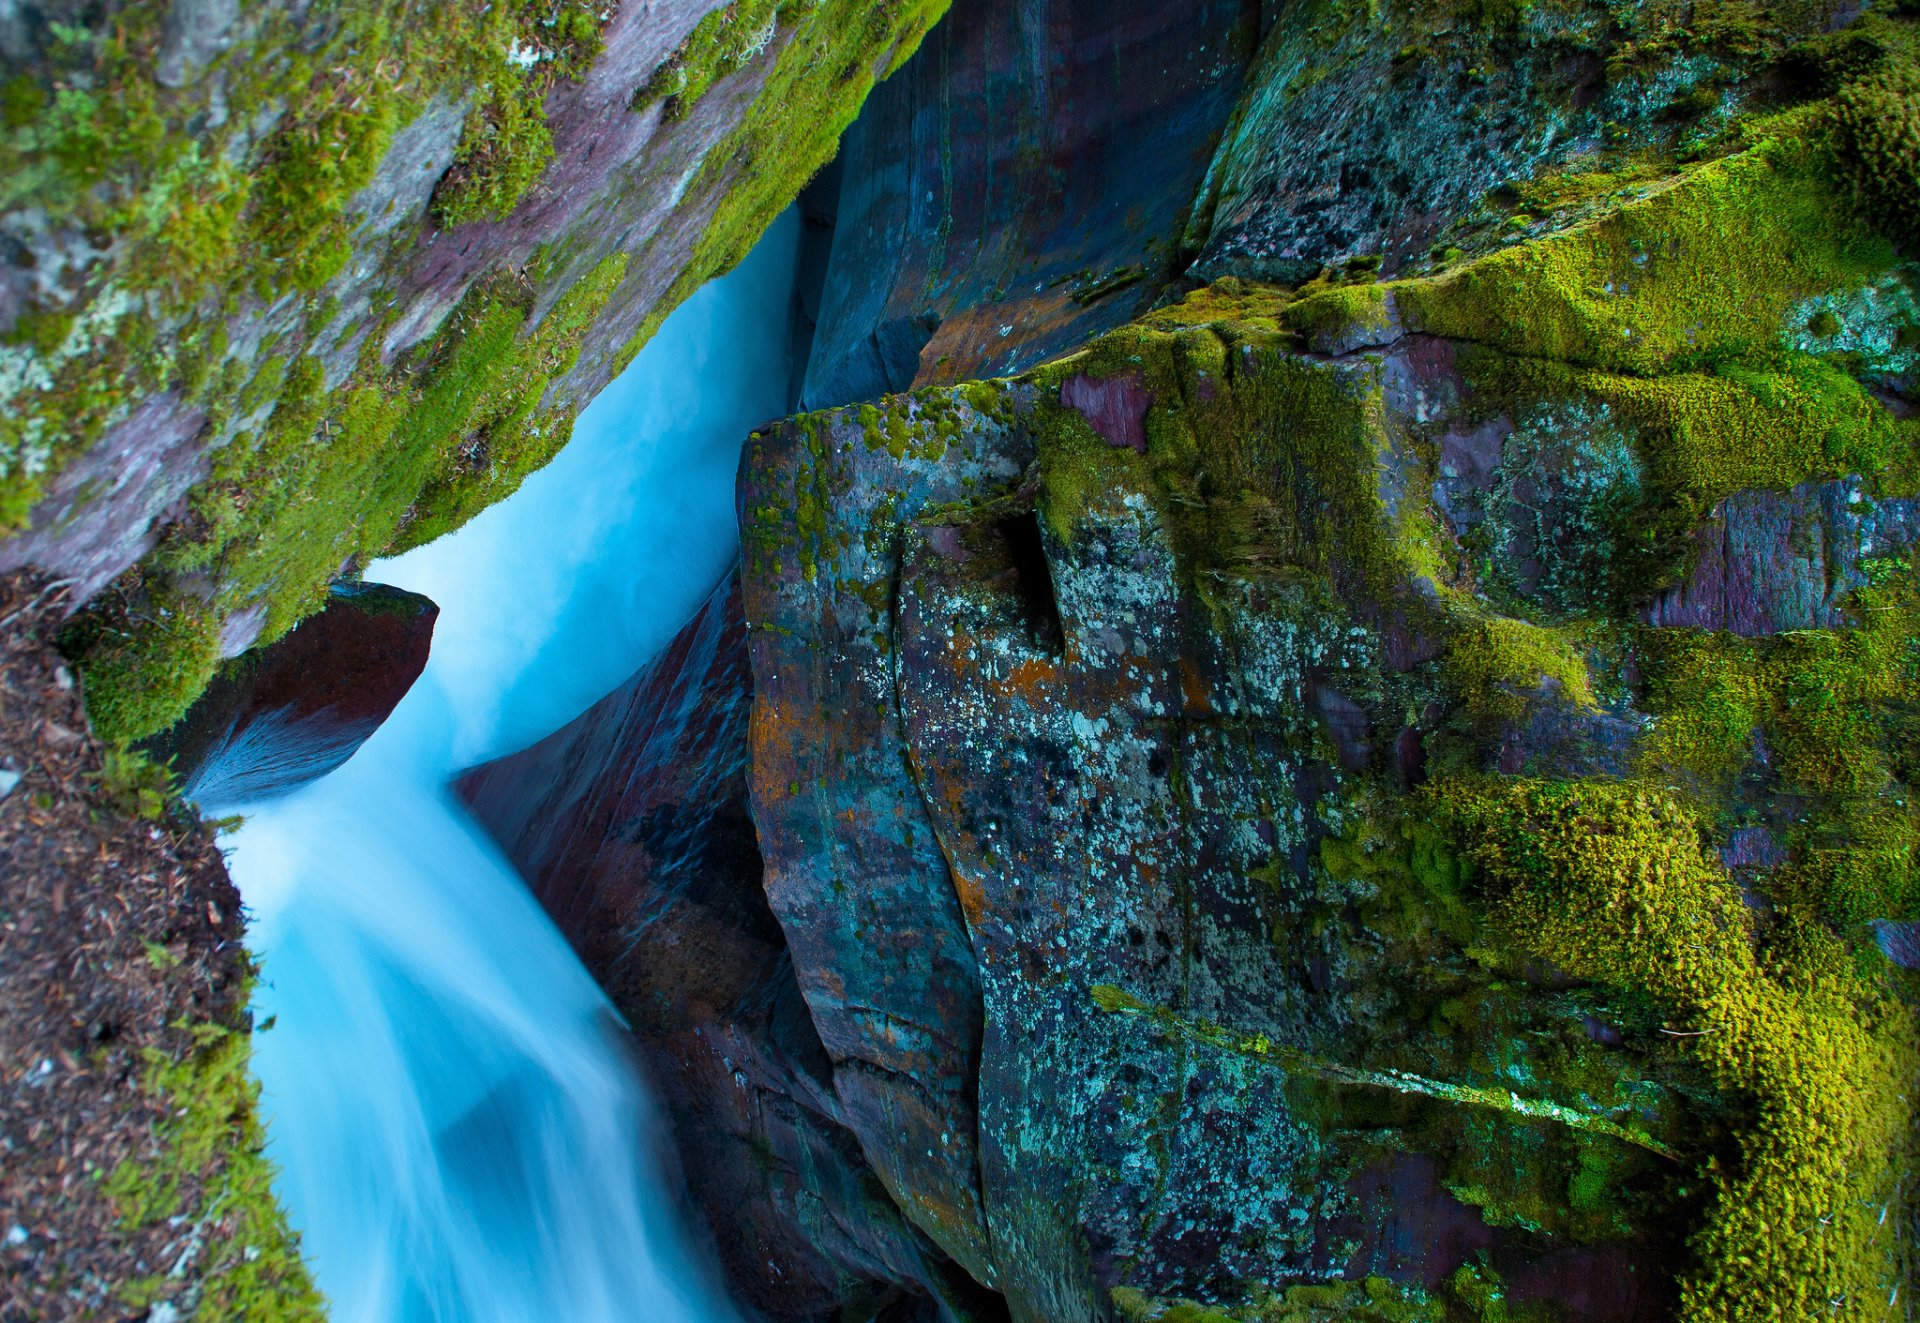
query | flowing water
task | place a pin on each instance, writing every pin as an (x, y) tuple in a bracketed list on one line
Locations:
[(460, 1135)]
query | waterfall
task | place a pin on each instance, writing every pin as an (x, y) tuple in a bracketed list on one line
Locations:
[(461, 1135)]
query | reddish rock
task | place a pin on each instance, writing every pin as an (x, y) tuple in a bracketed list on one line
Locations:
[(1115, 407), (281, 716), (631, 825), (1772, 561)]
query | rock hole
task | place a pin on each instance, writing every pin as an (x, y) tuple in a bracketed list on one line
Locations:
[(1033, 579)]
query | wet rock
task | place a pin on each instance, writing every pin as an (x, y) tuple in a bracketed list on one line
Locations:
[(1006, 754), (1019, 186), (281, 716), (632, 827)]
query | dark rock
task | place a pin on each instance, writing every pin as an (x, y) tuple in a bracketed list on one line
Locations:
[(281, 716), (632, 827), (970, 822), (1368, 133), (1020, 186), (1900, 942)]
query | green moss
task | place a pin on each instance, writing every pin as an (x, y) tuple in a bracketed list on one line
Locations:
[(502, 154), (1497, 664), (1824, 710), (1703, 269), (480, 424), (1611, 883), (1339, 318), (41, 330), (204, 214), (1772, 422), (1879, 125), (203, 222), (143, 658), (724, 42), (210, 1171)]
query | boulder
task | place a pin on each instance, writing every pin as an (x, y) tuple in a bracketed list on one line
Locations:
[(281, 716)]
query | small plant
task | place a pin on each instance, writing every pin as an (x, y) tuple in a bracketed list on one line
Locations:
[(136, 785), (143, 655)]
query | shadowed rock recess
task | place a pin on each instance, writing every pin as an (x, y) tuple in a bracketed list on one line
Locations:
[(1377, 787)]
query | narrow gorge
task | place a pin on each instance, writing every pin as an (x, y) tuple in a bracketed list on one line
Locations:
[(1301, 704)]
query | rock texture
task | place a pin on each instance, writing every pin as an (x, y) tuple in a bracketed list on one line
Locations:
[(1003, 756), (1020, 186), (154, 452), (632, 827), (285, 289), (1769, 561), (1380, 790), (282, 716), (1371, 133)]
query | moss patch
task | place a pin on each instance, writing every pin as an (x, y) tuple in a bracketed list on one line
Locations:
[(1610, 883), (1703, 269), (210, 1174)]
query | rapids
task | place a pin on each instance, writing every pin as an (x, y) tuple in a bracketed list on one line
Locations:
[(460, 1134)]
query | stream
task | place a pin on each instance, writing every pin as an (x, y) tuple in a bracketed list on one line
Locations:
[(461, 1135)]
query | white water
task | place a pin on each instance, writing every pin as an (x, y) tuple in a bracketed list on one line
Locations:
[(459, 1135)]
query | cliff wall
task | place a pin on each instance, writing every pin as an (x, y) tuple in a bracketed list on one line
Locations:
[(1381, 787)]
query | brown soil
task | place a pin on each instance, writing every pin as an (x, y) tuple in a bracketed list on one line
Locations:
[(117, 931)]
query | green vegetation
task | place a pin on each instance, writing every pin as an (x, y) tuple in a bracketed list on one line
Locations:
[(207, 212), (1496, 664), (1831, 711), (1703, 269), (722, 43), (216, 215), (208, 1171), (391, 460), (145, 654), (837, 51), (1474, 1293), (1879, 123), (1610, 883), (1258, 1047)]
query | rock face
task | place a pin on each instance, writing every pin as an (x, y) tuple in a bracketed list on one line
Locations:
[(1385, 794), (1020, 186), (1005, 753), (282, 716), (1371, 134), (632, 827), (1770, 561)]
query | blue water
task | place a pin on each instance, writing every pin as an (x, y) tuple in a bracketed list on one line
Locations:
[(460, 1135)]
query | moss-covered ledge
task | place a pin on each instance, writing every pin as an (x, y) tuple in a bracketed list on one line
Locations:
[(303, 293)]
